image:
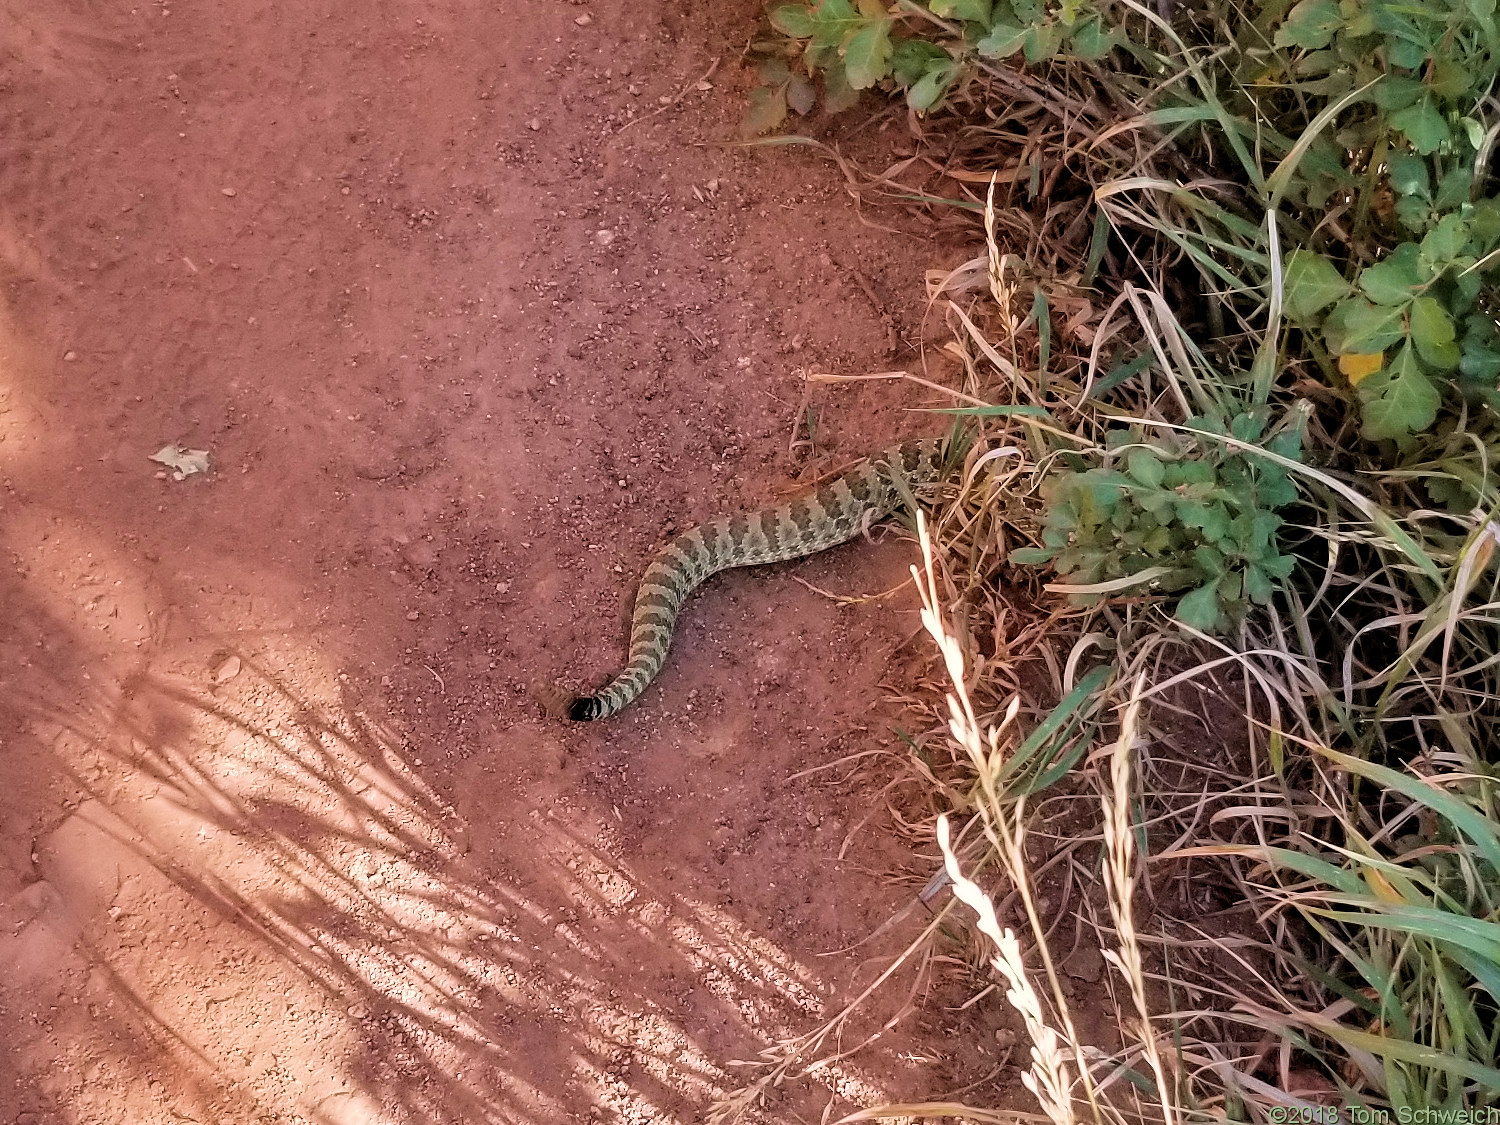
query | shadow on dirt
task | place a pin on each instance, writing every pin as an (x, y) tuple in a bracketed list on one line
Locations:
[(452, 980)]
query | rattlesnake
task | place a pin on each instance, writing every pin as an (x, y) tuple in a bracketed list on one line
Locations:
[(831, 514)]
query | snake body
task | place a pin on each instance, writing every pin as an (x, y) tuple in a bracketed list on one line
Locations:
[(830, 514)]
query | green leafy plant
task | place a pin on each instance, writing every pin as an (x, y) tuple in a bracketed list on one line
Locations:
[(1420, 64), (854, 46), (1412, 322), (1200, 519), (1410, 325)]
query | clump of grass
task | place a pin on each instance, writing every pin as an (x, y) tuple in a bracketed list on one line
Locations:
[(1370, 957), (1405, 887), (1378, 981)]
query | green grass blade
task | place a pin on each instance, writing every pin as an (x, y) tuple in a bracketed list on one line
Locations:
[(1484, 833)]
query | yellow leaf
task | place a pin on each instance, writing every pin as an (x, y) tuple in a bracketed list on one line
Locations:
[(1358, 365), (1382, 887), (1484, 550)]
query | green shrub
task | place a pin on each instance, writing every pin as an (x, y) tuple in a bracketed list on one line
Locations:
[(1196, 516)]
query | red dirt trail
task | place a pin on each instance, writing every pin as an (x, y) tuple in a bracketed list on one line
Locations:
[(469, 314)]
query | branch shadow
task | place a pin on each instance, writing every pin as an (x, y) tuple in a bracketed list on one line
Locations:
[(458, 972)]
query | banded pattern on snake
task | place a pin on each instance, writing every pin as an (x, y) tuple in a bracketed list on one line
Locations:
[(830, 514)]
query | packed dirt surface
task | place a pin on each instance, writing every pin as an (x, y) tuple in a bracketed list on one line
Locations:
[(470, 309)]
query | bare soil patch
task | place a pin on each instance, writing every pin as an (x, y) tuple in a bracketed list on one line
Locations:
[(469, 315)]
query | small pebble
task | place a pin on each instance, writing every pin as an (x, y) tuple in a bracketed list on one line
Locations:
[(534, 124), (413, 615), (584, 20), (69, 356), (228, 191), (604, 237)]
